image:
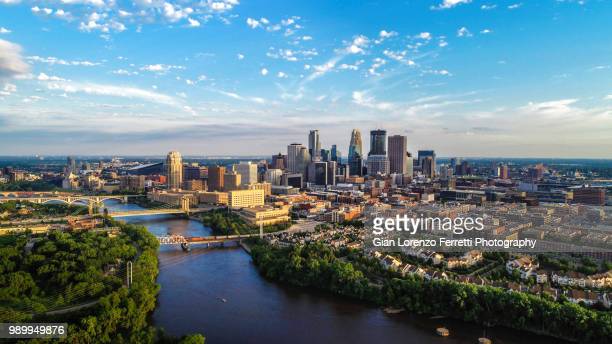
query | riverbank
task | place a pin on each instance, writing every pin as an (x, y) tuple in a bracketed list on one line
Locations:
[(317, 266)]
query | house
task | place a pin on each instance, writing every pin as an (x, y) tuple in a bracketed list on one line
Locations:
[(391, 263), (571, 278), (588, 297), (601, 280)]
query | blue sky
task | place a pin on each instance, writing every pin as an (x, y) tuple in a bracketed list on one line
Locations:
[(466, 78)]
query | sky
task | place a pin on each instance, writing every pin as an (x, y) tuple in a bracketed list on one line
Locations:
[(236, 77)]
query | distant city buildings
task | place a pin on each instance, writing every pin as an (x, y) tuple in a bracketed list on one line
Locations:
[(314, 145), (355, 157), (174, 169), (215, 178), (247, 171), (398, 154)]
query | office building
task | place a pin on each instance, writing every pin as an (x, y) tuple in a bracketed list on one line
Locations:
[(409, 165), (174, 170), (231, 180), (71, 166), (273, 176), (293, 150), (132, 183), (502, 171), (398, 157), (215, 178), (303, 159), (265, 215), (378, 164), (279, 161), (248, 171), (355, 157), (314, 145), (428, 167), (317, 172), (589, 195), (194, 185), (193, 172), (378, 142), (265, 186), (332, 169), (245, 198), (335, 154), (295, 180)]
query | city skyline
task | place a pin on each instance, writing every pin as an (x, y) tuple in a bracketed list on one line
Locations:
[(463, 78)]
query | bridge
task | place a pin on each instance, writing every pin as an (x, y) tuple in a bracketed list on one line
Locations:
[(67, 198), (186, 242)]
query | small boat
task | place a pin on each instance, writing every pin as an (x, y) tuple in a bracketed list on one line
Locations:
[(442, 331)]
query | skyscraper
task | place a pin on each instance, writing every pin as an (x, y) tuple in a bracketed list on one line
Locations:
[(302, 160), (292, 154), (314, 145), (428, 166), (378, 164), (398, 158), (335, 154), (378, 142), (231, 181), (279, 161), (355, 157), (247, 171), (174, 169), (423, 154), (215, 178), (71, 165)]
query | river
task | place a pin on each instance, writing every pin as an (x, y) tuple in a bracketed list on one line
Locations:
[(194, 286)]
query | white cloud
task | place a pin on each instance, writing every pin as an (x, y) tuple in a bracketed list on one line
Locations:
[(8, 89), (253, 23), (377, 63), (240, 56), (11, 61), (54, 60), (45, 77), (464, 32), (306, 38), (264, 71), (515, 6), (357, 45), (4, 30), (233, 95), (446, 4), (160, 68), (10, 2), (425, 35), (486, 31), (281, 75), (398, 56), (361, 98), (486, 7), (111, 91), (174, 14), (124, 72), (193, 22), (608, 97), (554, 108)]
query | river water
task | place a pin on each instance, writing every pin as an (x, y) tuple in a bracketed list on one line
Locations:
[(194, 286)]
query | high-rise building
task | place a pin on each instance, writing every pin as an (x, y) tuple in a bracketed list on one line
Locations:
[(502, 171), (71, 166), (378, 142), (174, 170), (325, 154), (314, 145), (273, 176), (215, 178), (378, 164), (423, 154), (292, 179), (132, 183), (231, 180), (335, 154), (409, 165), (293, 150), (248, 171), (317, 172), (355, 157), (332, 168), (428, 167), (303, 159), (193, 172), (398, 158), (279, 161)]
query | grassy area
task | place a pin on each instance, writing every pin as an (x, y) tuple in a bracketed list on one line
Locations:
[(21, 210)]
